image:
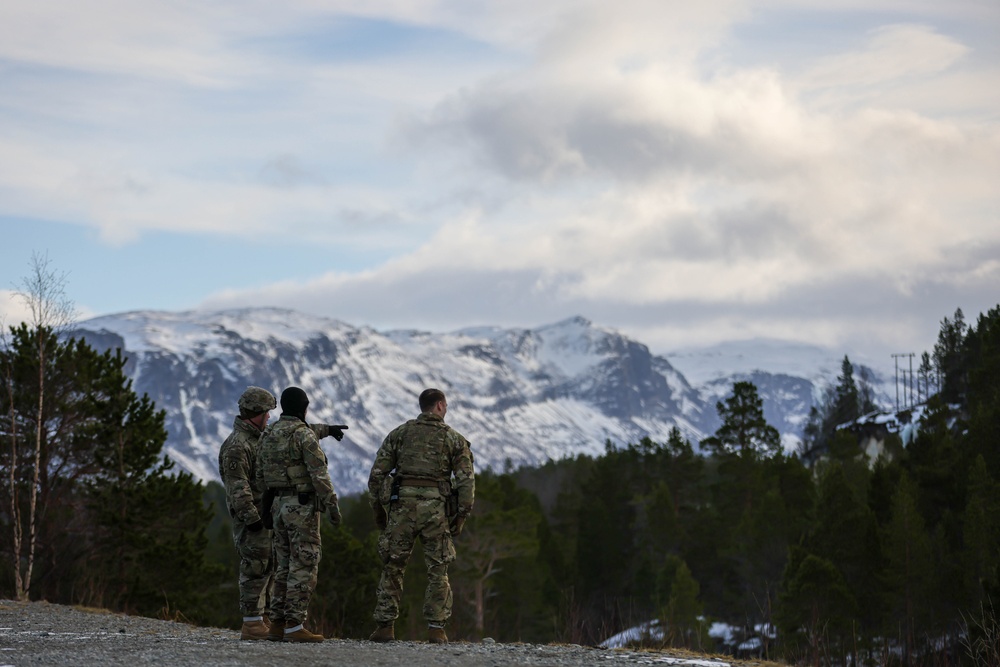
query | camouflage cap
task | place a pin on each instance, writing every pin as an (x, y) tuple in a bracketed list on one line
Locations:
[(256, 400)]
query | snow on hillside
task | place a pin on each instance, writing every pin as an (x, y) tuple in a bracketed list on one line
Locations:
[(179, 332), (523, 395), (702, 365)]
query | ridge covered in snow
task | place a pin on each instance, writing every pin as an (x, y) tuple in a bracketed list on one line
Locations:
[(519, 395)]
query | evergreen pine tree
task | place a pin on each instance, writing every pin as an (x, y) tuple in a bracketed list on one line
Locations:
[(982, 349), (348, 577), (847, 401), (816, 606), (845, 534), (681, 614), (684, 472), (908, 550), (926, 379), (948, 357), (147, 550), (744, 428), (661, 531), (981, 532)]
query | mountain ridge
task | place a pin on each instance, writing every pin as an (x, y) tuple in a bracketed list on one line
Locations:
[(520, 395)]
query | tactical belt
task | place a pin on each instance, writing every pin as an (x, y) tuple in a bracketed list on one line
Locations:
[(285, 491), (418, 482)]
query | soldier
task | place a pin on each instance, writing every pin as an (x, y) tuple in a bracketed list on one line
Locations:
[(237, 466), (293, 468), (424, 501)]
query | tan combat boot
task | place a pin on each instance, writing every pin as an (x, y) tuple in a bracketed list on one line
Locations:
[(436, 635), (384, 633), (253, 630), (302, 635), (277, 631)]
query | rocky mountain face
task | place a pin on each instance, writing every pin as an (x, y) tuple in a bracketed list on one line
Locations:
[(519, 395)]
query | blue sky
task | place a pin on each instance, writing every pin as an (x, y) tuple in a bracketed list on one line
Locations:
[(687, 173)]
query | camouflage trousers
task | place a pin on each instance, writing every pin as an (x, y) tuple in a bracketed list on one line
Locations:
[(419, 512), (297, 550), (256, 568)]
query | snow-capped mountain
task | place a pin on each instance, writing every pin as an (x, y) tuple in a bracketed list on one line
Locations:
[(523, 395), (790, 377)]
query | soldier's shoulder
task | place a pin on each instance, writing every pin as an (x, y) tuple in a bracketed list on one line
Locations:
[(400, 430), (228, 442), (236, 443), (455, 436), (267, 438), (303, 433)]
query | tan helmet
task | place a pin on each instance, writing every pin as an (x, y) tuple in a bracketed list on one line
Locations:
[(256, 400)]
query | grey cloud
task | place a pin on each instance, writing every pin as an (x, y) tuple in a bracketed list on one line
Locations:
[(551, 133), (756, 230), (287, 171), (382, 219), (439, 297), (871, 313), (511, 133)]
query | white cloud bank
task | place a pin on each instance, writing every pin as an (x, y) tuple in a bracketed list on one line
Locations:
[(641, 190), (609, 159)]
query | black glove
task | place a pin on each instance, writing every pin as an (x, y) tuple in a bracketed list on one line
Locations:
[(265, 509), (456, 525), (334, 513), (256, 526), (381, 518), (337, 431)]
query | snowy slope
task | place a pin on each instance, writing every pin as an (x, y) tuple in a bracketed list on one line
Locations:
[(524, 395)]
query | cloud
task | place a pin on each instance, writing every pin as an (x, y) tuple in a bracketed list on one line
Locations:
[(13, 310), (657, 157), (648, 190), (567, 157), (892, 52), (118, 36), (134, 116), (626, 125)]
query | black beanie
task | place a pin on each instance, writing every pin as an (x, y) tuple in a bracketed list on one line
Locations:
[(294, 403)]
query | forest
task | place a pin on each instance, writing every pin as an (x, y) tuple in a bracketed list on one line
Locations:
[(831, 555)]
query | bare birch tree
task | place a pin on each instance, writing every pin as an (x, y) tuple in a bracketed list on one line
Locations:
[(11, 432), (489, 538), (50, 312)]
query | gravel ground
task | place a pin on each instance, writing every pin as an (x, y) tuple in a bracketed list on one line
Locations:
[(38, 633)]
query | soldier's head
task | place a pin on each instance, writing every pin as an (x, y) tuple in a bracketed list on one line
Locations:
[(433, 400), (256, 401), (294, 403)]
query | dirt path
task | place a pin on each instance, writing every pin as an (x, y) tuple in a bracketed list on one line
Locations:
[(39, 633)]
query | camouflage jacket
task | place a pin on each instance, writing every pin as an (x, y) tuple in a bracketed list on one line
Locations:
[(289, 455), (237, 468), (426, 448)]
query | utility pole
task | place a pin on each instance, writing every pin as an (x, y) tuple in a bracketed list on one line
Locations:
[(895, 361), (911, 380), (895, 358)]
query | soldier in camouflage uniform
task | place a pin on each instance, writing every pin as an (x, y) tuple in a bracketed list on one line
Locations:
[(237, 458), (237, 466), (293, 467), (430, 460)]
